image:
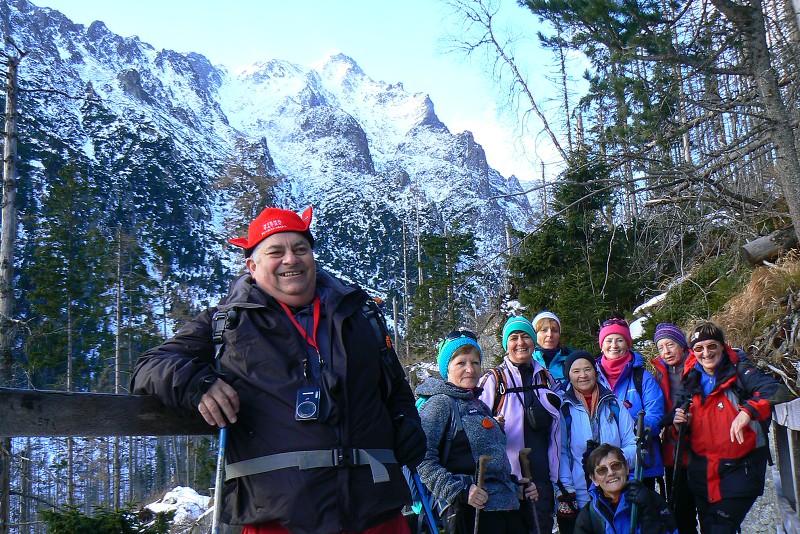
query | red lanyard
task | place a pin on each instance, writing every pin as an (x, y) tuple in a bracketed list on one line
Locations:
[(312, 339)]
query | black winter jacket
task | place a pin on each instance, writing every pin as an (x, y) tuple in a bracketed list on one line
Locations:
[(263, 361)]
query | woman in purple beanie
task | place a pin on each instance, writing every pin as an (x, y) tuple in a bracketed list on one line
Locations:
[(669, 365), (623, 372)]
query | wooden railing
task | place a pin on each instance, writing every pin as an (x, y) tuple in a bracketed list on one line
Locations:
[(31, 412), (786, 435)]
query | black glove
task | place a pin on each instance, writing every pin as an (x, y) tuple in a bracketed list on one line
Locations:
[(409, 441), (637, 493), (654, 514), (567, 506)]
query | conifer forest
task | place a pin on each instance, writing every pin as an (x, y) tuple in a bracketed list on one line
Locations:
[(672, 141)]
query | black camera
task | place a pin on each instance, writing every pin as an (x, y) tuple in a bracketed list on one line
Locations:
[(307, 406)]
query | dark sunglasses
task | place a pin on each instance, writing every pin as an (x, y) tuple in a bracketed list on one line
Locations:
[(609, 322), (603, 470), (458, 334)]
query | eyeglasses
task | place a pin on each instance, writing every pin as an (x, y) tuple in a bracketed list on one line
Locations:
[(458, 334), (603, 470), (609, 322)]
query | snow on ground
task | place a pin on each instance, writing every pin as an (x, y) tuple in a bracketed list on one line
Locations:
[(186, 502)]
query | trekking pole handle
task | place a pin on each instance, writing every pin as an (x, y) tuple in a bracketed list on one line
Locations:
[(480, 482)]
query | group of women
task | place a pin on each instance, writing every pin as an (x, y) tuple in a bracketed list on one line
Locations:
[(558, 426)]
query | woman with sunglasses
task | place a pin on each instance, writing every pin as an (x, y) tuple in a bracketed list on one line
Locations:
[(613, 496), (591, 415), (520, 392), (728, 424), (450, 474), (622, 370)]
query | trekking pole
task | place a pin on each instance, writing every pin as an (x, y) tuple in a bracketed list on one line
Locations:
[(637, 469), (525, 467), (673, 494), (426, 504), (482, 461), (227, 317)]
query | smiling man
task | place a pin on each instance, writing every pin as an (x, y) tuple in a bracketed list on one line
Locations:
[(320, 414)]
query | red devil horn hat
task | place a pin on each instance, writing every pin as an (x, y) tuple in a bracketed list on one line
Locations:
[(273, 221)]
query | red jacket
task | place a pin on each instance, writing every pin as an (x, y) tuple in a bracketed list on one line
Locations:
[(719, 468), (669, 437)]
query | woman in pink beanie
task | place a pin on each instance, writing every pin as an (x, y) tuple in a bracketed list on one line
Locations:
[(623, 371)]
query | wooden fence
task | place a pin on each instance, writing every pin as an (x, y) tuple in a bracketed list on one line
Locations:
[(786, 434)]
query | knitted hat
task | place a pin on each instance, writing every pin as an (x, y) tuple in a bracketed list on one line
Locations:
[(545, 315), (616, 326), (517, 324), (576, 355), (273, 221), (670, 331), (451, 343)]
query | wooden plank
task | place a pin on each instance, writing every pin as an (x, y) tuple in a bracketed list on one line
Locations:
[(31, 413), (788, 414)]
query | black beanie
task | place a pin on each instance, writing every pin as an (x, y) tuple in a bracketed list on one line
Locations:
[(577, 355)]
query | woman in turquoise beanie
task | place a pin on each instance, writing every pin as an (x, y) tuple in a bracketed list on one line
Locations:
[(449, 467), (520, 392)]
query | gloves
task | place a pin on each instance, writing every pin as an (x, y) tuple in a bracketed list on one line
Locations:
[(636, 493), (567, 506), (410, 443), (654, 514)]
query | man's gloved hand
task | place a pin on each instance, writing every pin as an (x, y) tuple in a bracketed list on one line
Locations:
[(567, 506), (409, 441)]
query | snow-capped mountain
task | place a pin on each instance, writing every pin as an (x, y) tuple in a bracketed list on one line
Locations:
[(157, 132)]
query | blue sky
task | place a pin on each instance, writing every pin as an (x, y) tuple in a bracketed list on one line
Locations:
[(393, 41)]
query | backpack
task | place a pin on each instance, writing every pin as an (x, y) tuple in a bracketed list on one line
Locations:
[(501, 389), (454, 425)]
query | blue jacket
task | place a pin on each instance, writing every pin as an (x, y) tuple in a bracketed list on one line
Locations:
[(598, 513), (556, 367), (652, 401), (435, 416), (575, 434)]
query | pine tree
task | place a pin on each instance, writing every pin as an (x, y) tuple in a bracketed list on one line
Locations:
[(576, 264)]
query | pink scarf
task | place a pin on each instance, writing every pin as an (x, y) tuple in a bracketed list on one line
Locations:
[(613, 368)]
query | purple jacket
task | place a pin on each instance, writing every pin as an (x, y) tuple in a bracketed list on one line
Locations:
[(513, 412)]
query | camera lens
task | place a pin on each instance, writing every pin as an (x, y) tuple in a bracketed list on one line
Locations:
[(306, 410)]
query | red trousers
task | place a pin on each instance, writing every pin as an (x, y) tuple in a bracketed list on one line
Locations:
[(398, 525)]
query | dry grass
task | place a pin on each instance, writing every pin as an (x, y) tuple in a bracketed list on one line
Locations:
[(763, 301)]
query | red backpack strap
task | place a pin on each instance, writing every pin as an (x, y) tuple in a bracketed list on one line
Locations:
[(499, 390)]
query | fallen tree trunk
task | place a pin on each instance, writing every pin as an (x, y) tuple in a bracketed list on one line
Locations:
[(769, 246)]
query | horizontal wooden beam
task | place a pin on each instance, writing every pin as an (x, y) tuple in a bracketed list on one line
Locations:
[(32, 413)]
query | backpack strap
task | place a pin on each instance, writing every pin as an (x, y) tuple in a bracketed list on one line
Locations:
[(221, 321), (453, 426), (500, 389), (373, 314), (567, 425), (638, 377)]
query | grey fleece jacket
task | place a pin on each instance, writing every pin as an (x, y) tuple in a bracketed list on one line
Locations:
[(435, 416)]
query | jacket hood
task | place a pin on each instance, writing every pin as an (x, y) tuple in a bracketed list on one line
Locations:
[(436, 386)]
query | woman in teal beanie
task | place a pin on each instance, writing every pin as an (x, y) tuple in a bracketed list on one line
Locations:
[(449, 467), (520, 392)]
